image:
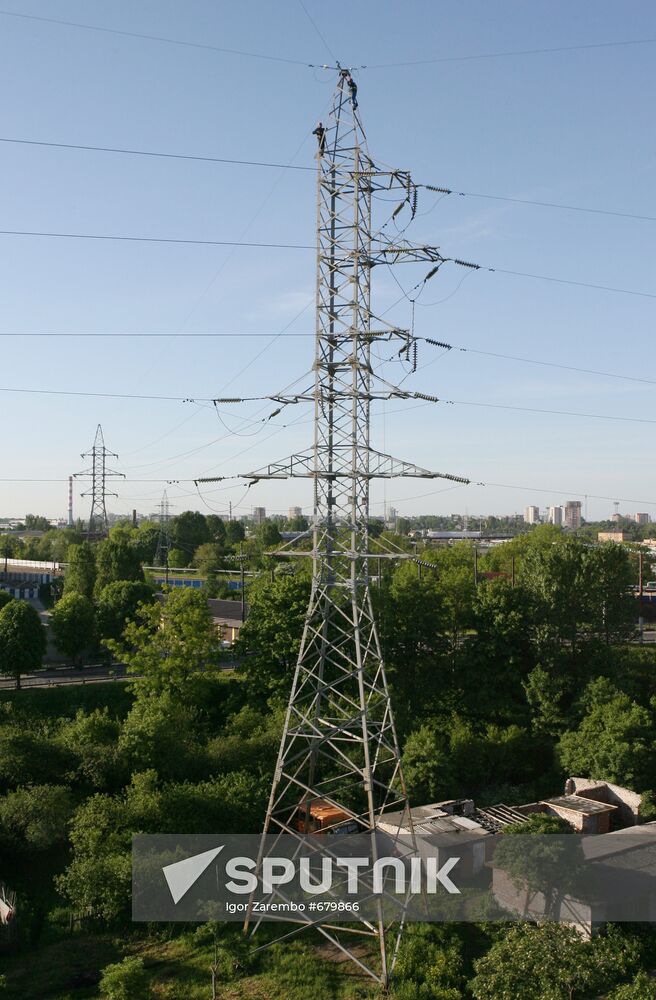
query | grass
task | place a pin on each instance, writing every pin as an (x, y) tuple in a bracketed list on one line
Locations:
[(63, 702), (179, 969)]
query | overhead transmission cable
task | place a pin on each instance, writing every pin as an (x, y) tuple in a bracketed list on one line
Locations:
[(512, 53), (444, 191), (286, 336), (154, 38), (144, 36), (305, 246), (431, 399)]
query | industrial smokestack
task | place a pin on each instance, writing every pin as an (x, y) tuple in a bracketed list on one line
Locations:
[(134, 519)]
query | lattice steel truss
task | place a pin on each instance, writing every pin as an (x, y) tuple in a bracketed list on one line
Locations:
[(164, 538), (339, 745), (99, 473)]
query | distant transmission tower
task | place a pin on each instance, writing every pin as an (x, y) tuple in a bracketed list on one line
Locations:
[(99, 473), (163, 540), (339, 746)]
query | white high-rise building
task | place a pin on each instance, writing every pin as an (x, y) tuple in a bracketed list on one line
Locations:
[(555, 515), (532, 515), (294, 512), (259, 515), (572, 519)]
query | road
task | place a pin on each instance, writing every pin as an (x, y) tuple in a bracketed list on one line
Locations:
[(97, 673)]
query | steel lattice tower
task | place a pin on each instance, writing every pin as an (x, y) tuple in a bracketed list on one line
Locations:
[(163, 540), (339, 744), (99, 473)]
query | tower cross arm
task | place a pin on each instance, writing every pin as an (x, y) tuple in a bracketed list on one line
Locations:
[(376, 465), (406, 253)]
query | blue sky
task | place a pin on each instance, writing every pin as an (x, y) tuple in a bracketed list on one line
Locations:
[(571, 127)]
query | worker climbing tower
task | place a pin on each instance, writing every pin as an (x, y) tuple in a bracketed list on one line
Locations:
[(339, 764)]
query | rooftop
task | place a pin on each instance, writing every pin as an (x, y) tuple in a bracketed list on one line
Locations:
[(579, 804)]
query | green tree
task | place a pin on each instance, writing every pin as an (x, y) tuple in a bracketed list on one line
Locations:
[(269, 640), (163, 733), (642, 987), (426, 765), (5, 598), (616, 741), (22, 639), (189, 530), (117, 559), (36, 817), (179, 559), (216, 528), (430, 965), (91, 741), (73, 623), (126, 980), (170, 642), (35, 522), (30, 756), (268, 534), (118, 604), (495, 662), (80, 574), (551, 962), (415, 636), (208, 558), (234, 532), (145, 541), (299, 523), (540, 856)]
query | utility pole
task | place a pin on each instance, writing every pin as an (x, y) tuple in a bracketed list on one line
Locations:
[(163, 540), (339, 717), (98, 524), (241, 581)]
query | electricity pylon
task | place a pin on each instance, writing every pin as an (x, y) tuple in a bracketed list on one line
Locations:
[(339, 745), (163, 540), (99, 473)]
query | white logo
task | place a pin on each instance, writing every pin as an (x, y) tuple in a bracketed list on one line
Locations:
[(181, 875)]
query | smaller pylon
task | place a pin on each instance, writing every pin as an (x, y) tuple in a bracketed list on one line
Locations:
[(164, 539), (98, 523)]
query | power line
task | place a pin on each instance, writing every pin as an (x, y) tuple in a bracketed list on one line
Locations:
[(178, 334), (107, 395), (306, 246), (559, 413), (297, 62), (153, 154), (154, 239), (153, 38), (555, 364), (529, 489), (193, 157), (207, 399), (418, 496), (550, 204), (513, 52), (285, 336), (569, 281), (318, 32)]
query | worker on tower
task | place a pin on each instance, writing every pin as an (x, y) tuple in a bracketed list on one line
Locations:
[(353, 87), (320, 133)]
